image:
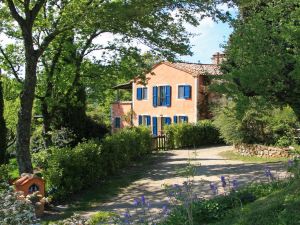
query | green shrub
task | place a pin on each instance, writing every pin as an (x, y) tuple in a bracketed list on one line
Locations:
[(125, 146), (256, 123), (69, 170), (192, 135)]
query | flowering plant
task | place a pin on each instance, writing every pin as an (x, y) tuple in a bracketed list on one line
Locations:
[(15, 209)]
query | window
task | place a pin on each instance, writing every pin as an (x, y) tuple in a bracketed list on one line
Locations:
[(142, 93), (144, 120), (162, 96), (117, 122), (184, 91), (180, 119)]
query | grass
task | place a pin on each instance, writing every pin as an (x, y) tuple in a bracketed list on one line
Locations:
[(231, 155), (279, 208)]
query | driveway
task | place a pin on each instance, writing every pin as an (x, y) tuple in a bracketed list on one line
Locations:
[(166, 167)]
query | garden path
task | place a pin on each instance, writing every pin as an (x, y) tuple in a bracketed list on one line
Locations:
[(165, 169)]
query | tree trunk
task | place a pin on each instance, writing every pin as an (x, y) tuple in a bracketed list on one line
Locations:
[(25, 114), (3, 130), (46, 124)]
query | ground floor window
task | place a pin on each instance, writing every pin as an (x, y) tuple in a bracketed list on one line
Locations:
[(144, 120), (117, 122), (180, 119)]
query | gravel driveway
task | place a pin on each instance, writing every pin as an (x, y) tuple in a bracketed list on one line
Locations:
[(164, 170)]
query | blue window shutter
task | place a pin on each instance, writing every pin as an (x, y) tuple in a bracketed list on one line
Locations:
[(154, 125), (148, 120), (187, 91), (175, 119), (139, 93), (155, 97), (168, 96), (140, 120), (185, 119)]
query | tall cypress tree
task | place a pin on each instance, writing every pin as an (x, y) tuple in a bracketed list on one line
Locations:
[(3, 130)]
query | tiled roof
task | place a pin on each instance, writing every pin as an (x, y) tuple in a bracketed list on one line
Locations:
[(196, 69)]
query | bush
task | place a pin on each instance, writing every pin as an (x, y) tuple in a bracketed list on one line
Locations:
[(192, 135), (121, 148), (69, 170), (255, 123)]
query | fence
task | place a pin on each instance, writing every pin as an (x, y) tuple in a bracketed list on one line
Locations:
[(159, 143)]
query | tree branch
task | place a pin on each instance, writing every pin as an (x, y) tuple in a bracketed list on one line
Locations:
[(36, 9), (15, 73), (14, 13), (47, 40)]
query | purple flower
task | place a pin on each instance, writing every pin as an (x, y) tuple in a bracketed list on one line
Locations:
[(143, 200), (223, 181), (127, 218), (136, 202), (290, 163), (268, 172), (213, 188), (165, 210), (235, 184)]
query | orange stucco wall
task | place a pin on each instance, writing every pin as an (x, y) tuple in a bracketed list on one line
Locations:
[(166, 75), (122, 110)]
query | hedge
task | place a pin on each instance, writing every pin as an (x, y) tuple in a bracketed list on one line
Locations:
[(187, 135), (69, 170)]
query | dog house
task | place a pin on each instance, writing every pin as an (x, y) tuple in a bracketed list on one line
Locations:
[(29, 184)]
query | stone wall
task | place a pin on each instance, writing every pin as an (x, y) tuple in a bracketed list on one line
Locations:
[(262, 151)]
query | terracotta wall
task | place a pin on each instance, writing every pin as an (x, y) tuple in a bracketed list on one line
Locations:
[(122, 110), (166, 75)]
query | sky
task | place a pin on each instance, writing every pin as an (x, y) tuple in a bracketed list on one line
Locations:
[(211, 36)]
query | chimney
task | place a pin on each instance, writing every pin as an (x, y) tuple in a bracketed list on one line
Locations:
[(218, 58)]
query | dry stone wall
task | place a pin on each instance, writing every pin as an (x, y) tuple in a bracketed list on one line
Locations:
[(262, 151)]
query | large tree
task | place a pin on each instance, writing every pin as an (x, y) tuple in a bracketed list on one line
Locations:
[(3, 129), (263, 54), (40, 22)]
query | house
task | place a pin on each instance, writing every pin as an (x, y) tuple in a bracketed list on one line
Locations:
[(170, 93)]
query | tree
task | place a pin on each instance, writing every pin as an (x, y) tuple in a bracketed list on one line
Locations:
[(263, 54), (36, 38), (3, 130)]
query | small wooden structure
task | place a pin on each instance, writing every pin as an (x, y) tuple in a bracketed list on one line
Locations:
[(29, 183)]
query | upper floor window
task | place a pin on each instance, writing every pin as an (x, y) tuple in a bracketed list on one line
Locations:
[(142, 93), (117, 122), (162, 96), (184, 91)]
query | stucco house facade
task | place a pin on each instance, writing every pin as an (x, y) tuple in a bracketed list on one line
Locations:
[(170, 93)]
